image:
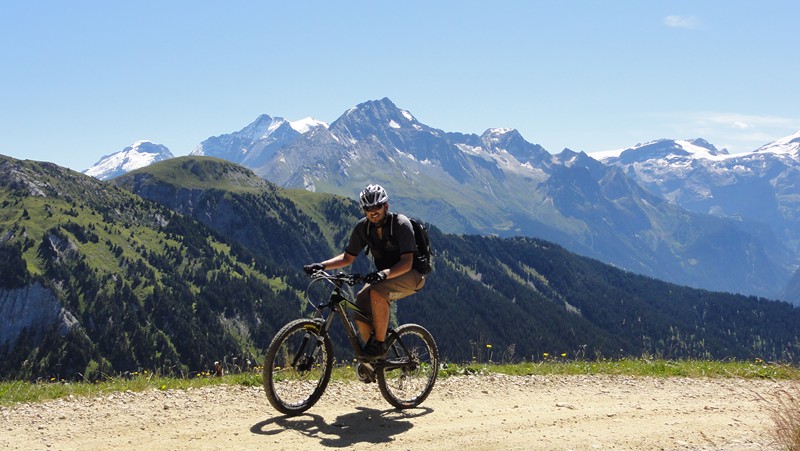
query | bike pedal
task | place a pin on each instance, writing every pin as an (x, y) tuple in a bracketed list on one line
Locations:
[(365, 372)]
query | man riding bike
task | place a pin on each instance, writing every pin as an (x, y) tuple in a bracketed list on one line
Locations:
[(390, 238)]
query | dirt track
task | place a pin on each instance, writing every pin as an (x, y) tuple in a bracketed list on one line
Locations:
[(471, 412)]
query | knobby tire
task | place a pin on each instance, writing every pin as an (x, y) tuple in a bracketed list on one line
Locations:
[(297, 367), (411, 369)]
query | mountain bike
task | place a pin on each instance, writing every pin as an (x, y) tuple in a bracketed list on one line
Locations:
[(299, 360)]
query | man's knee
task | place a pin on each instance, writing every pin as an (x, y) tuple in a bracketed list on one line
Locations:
[(377, 297)]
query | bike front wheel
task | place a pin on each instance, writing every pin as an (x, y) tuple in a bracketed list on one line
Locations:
[(407, 376), (297, 366)]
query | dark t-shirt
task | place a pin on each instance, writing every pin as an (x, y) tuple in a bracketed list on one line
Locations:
[(398, 239)]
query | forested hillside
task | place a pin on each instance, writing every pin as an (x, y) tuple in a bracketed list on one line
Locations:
[(523, 296), (204, 262), (137, 285), (535, 297)]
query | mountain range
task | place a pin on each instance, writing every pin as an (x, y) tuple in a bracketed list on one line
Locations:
[(195, 259), (760, 186), (680, 211)]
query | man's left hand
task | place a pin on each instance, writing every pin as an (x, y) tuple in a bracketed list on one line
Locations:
[(375, 277)]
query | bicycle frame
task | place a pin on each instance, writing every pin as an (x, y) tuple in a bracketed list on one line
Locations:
[(338, 304)]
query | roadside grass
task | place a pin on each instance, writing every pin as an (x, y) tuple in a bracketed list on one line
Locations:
[(15, 392), (784, 407), (757, 369)]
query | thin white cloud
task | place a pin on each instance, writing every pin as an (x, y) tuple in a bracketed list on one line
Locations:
[(743, 121), (689, 22)]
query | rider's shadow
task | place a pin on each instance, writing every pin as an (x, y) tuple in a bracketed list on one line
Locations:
[(364, 426)]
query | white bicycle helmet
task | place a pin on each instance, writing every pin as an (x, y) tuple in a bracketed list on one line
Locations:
[(373, 195)]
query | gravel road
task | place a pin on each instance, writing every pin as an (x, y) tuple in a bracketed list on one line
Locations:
[(464, 413)]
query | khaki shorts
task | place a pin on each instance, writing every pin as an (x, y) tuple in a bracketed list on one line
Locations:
[(393, 289)]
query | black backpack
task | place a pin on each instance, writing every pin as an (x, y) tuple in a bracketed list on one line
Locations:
[(423, 259)]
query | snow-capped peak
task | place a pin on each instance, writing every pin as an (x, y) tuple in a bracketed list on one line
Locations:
[(789, 145), (138, 155), (306, 124), (665, 148), (496, 135), (262, 127)]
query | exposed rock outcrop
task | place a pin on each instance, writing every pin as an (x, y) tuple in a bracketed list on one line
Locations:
[(34, 308)]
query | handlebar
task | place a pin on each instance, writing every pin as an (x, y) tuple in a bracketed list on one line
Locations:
[(337, 279)]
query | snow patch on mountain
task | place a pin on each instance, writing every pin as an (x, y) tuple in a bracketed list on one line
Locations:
[(502, 157), (406, 155), (305, 125), (697, 151), (603, 155), (470, 150)]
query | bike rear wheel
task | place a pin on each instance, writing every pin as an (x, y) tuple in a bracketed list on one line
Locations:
[(297, 367), (407, 376)]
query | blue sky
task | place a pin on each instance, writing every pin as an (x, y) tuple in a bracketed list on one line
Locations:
[(82, 79)]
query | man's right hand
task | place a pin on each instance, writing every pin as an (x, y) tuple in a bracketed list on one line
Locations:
[(312, 268)]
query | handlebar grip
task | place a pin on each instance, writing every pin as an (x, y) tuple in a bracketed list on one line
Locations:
[(350, 279)]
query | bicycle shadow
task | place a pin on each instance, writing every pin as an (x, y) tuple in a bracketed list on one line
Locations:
[(364, 426)]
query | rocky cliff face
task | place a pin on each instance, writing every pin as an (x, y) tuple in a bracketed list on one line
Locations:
[(33, 309)]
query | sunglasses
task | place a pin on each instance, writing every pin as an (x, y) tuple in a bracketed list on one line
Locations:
[(373, 208)]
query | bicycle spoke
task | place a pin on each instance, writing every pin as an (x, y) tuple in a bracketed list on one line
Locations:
[(408, 375), (297, 367)]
